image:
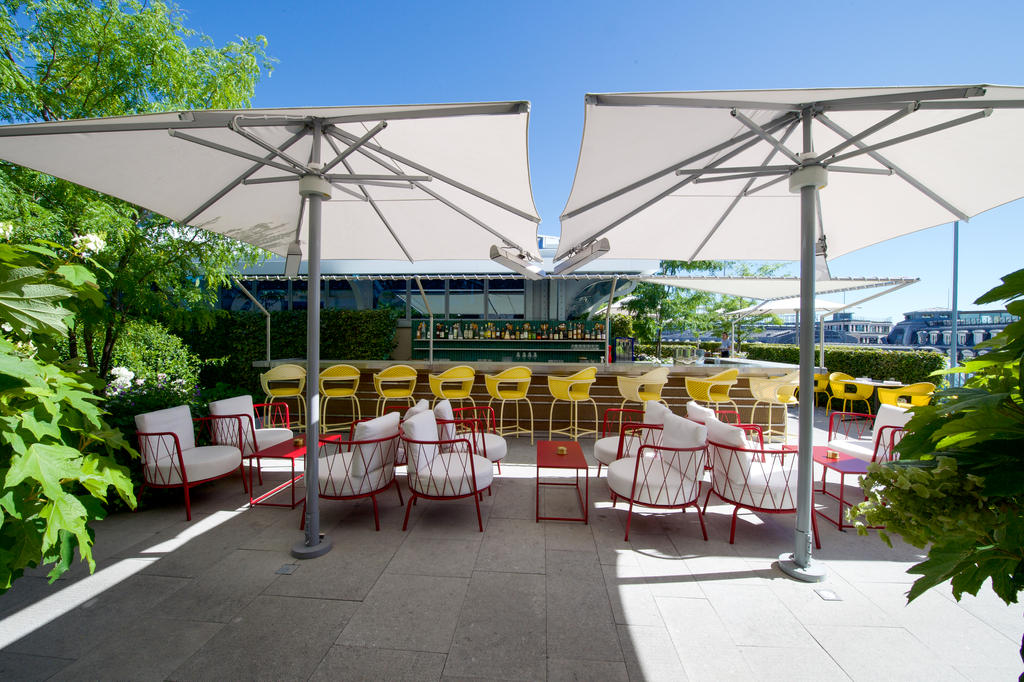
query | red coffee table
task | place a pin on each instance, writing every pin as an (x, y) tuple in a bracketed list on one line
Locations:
[(287, 450), (548, 458), (844, 465)]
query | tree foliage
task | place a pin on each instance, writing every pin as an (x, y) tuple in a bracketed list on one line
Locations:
[(64, 59), (959, 485)]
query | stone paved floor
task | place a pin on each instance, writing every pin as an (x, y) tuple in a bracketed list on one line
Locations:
[(523, 600)]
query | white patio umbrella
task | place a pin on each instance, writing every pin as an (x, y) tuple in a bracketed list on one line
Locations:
[(781, 175), (413, 182)]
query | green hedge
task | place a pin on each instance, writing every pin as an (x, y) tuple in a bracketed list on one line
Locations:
[(905, 366), (236, 339)]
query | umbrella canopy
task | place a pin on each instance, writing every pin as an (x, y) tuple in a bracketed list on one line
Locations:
[(381, 182), (784, 175), (772, 288), (786, 305)]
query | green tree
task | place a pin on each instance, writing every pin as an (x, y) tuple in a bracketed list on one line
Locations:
[(958, 487), (63, 59)]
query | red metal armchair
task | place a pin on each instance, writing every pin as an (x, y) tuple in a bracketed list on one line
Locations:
[(260, 428), (625, 443), (441, 468), (750, 476), (872, 438), (362, 466), (486, 441), (171, 458)]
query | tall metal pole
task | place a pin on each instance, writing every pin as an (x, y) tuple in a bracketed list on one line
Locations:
[(799, 564), (608, 320), (316, 189), (954, 312)]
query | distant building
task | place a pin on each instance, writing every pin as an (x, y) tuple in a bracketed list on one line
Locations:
[(840, 328), (932, 328)]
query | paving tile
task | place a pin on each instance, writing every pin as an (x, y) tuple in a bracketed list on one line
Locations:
[(449, 518), (515, 499), (702, 640), (580, 620), (789, 663), (512, 546), (650, 654), (573, 670), (150, 649), (29, 667), (895, 654), (501, 629), (630, 596), (423, 555), (754, 616), (299, 632), (223, 590), (361, 663), (575, 537), (408, 612)]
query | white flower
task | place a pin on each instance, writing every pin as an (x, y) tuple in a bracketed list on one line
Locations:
[(139, 382), (89, 243), (161, 376), (6, 327), (6, 230)]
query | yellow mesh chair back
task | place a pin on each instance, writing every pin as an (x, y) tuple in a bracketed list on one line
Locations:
[(820, 386), (287, 381), (455, 383), (644, 387), (396, 382), (913, 395), (338, 381), (772, 393), (510, 385), (713, 390), (573, 389)]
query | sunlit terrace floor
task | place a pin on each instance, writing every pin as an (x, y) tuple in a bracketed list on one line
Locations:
[(523, 600)]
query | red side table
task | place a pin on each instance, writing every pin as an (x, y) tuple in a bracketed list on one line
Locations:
[(844, 465), (290, 450), (548, 458)]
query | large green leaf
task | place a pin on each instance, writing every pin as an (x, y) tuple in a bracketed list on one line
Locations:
[(46, 465)]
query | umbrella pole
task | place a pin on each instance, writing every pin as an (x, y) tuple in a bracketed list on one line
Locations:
[(315, 189), (799, 564)]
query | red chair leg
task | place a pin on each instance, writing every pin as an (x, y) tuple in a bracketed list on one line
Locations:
[(629, 517), (499, 468), (245, 483), (479, 520), (732, 533), (376, 517), (706, 498), (188, 505), (814, 526), (398, 489), (412, 500), (700, 517)]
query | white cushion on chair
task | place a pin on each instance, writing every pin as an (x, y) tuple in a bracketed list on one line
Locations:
[(683, 433), (177, 420), (372, 457), (861, 448), (448, 475), (243, 405), (657, 484), (495, 446), (443, 412), (335, 473), (421, 406), (890, 415), (201, 463), (272, 436), (731, 437), (655, 412), (421, 427), (606, 449), (777, 490), (698, 412)]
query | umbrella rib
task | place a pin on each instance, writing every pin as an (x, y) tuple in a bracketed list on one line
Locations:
[(765, 135), (380, 214), (365, 195), (234, 152), (910, 108), (773, 125), (742, 193), (342, 155), (741, 176), (239, 180), (907, 177), (984, 113), (766, 185), (257, 140), (440, 176), (900, 98)]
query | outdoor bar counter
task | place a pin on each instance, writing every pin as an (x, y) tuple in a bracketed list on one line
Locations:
[(604, 391)]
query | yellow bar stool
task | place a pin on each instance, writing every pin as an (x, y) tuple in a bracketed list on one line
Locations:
[(714, 390), (820, 386), (396, 382), (510, 385), (912, 395), (453, 384), (845, 388), (339, 381), (283, 382), (573, 389), (772, 393), (644, 387)]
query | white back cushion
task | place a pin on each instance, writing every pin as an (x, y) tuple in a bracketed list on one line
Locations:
[(683, 433), (655, 412), (735, 465), (698, 412), (421, 406), (238, 405), (372, 457), (891, 415), (177, 420), (443, 412), (421, 427)]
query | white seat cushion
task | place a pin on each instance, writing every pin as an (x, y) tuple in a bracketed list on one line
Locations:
[(337, 480), (448, 475), (201, 463), (861, 448), (491, 444), (272, 436), (242, 405), (606, 449), (657, 483)]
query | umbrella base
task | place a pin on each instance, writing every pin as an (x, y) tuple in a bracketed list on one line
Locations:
[(813, 572), (303, 551)]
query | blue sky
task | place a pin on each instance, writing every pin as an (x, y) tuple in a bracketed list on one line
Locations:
[(552, 53)]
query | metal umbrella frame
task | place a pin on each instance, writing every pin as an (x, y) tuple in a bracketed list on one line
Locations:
[(412, 182), (714, 166)]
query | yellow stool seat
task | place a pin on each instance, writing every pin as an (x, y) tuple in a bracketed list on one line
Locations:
[(845, 388), (714, 390), (455, 383), (286, 381), (510, 385), (574, 389), (339, 381), (396, 382), (907, 396)]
